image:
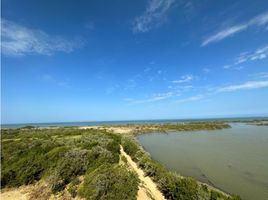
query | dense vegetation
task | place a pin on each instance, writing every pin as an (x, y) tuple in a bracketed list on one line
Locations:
[(61, 156), (165, 127), (86, 163), (173, 186)]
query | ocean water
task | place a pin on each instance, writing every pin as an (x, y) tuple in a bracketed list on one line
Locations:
[(234, 160), (94, 123)]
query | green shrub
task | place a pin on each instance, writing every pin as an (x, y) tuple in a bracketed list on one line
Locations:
[(214, 195), (30, 169), (8, 178), (72, 189), (124, 159), (130, 147), (204, 187), (74, 163), (109, 182), (24, 162), (27, 155)]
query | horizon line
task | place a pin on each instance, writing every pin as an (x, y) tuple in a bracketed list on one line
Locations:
[(163, 119)]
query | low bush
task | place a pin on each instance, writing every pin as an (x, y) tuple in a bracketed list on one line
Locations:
[(73, 164), (73, 187), (62, 155), (24, 161), (27, 155), (110, 182)]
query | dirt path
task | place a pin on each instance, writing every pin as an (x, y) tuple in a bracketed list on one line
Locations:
[(13, 195), (21, 193), (147, 189)]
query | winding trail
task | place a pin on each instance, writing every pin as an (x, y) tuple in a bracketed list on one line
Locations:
[(148, 189)]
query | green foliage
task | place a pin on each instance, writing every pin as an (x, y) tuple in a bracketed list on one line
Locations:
[(54, 155), (214, 195), (110, 182), (130, 147), (73, 187), (73, 164), (62, 155), (23, 162), (165, 127), (204, 187), (175, 187), (124, 159)]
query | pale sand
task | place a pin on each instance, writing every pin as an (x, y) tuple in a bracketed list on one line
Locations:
[(21, 193), (41, 190), (13, 195), (120, 130), (147, 189), (26, 193)]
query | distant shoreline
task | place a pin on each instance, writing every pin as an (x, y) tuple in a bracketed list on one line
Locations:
[(125, 122)]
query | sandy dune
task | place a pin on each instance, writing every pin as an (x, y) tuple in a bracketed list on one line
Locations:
[(120, 130)]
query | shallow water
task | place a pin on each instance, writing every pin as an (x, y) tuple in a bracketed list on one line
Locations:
[(234, 160)]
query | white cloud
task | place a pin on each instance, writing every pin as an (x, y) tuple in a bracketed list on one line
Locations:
[(244, 86), (189, 99), (147, 69), (153, 98), (184, 79), (18, 40), (260, 75), (52, 80), (227, 66), (130, 84), (259, 54), (112, 88), (206, 70), (260, 20), (153, 16), (223, 34)]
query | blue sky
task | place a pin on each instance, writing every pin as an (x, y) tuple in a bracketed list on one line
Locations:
[(122, 60)]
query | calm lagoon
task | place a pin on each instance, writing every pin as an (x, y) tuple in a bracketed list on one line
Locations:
[(234, 160)]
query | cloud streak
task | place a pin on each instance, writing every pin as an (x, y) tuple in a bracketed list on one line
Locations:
[(245, 86), (190, 99), (184, 79), (259, 54), (260, 75), (18, 40), (153, 16), (50, 79), (153, 98), (260, 20)]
